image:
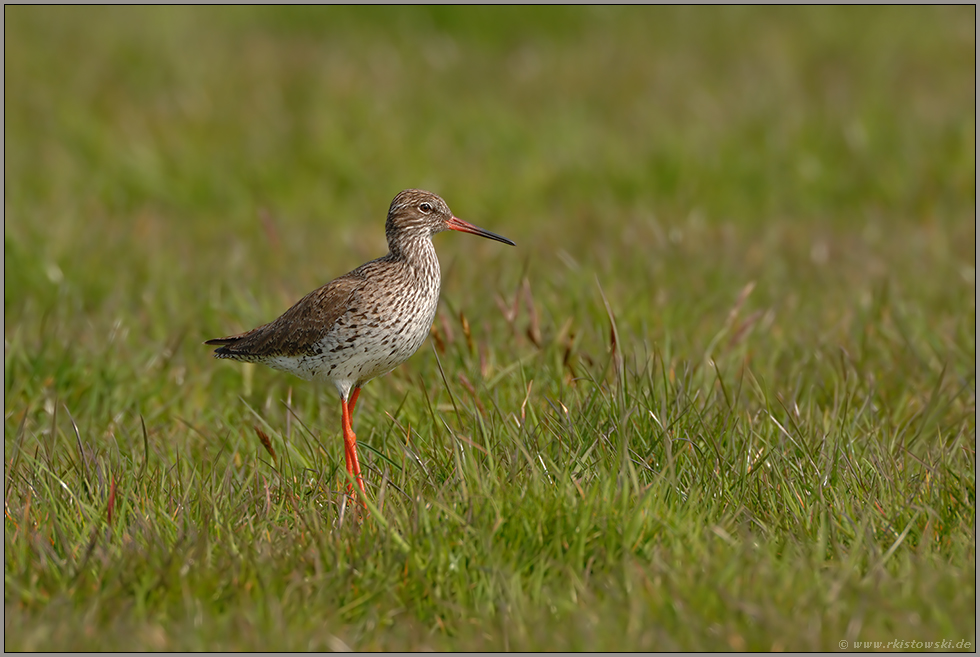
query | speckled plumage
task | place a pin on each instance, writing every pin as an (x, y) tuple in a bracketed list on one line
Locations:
[(366, 322)]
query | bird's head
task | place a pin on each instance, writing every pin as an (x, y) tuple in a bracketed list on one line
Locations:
[(415, 212)]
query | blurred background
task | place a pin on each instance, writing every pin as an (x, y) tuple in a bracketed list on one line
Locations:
[(177, 173)]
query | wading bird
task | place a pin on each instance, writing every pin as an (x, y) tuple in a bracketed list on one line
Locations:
[(367, 322)]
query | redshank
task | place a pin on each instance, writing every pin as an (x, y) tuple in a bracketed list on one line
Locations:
[(367, 322)]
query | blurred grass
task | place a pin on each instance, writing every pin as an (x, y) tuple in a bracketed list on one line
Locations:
[(778, 203)]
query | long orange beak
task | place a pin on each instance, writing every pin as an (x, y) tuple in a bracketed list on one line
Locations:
[(455, 223)]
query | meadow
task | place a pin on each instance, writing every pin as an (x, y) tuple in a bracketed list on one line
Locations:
[(721, 396)]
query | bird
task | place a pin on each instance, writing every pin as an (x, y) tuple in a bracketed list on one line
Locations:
[(365, 323)]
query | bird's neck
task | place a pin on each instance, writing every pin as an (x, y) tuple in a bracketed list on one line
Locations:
[(417, 252)]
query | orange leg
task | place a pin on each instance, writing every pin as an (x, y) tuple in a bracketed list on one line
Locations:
[(350, 457), (350, 441)]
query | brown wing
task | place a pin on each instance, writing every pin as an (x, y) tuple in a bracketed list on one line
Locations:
[(299, 329)]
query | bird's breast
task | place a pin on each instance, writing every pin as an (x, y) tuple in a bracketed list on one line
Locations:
[(386, 324)]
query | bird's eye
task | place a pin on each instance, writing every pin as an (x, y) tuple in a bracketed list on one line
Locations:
[(425, 207)]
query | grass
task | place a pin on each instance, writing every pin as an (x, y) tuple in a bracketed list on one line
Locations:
[(721, 397)]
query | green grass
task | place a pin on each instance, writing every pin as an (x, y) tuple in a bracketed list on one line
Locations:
[(766, 439)]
